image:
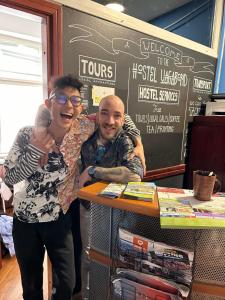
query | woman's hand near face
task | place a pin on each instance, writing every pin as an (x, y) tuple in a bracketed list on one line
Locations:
[(42, 140)]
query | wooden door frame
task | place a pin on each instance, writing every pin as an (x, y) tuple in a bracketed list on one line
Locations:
[(52, 42), (52, 49)]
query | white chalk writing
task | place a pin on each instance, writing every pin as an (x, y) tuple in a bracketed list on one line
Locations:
[(158, 95)]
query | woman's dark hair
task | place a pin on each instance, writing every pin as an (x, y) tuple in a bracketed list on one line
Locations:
[(67, 81)]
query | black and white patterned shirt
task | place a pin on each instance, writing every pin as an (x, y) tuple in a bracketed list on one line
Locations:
[(35, 187)]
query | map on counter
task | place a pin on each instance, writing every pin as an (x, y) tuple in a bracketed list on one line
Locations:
[(179, 209)]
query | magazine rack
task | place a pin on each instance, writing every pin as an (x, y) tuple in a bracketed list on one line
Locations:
[(108, 215)]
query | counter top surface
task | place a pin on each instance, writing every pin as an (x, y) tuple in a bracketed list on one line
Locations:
[(91, 193)]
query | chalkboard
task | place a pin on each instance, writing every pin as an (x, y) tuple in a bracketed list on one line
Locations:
[(163, 85)]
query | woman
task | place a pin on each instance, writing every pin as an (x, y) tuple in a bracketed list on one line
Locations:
[(44, 189)]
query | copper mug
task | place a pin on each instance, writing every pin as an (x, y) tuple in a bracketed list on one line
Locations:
[(205, 183)]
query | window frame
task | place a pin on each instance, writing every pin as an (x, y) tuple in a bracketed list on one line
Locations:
[(51, 14), (52, 40)]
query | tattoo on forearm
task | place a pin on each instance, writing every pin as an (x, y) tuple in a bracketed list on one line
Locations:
[(117, 174)]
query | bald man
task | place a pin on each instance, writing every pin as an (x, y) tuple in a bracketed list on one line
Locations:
[(105, 156)]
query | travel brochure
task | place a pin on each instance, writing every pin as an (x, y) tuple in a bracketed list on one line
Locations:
[(140, 191), (155, 282), (113, 190), (126, 289), (179, 209), (132, 190), (152, 270)]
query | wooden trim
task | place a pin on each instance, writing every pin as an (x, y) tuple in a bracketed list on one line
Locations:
[(165, 172), (208, 288), (201, 287), (217, 25), (37, 7), (52, 13)]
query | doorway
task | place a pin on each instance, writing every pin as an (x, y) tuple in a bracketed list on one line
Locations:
[(30, 55)]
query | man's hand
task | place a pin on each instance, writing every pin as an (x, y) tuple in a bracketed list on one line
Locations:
[(42, 140), (84, 177), (139, 151)]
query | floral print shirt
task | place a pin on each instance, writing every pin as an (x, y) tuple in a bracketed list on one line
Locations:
[(40, 193)]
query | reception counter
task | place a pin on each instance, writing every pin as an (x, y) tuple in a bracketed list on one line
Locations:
[(139, 217), (91, 193)]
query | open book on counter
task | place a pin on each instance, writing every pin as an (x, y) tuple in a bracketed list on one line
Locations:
[(179, 209), (132, 190)]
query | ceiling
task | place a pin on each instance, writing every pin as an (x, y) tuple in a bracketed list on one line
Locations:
[(147, 10)]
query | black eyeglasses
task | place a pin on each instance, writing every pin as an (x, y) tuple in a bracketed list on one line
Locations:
[(62, 99), (101, 149)]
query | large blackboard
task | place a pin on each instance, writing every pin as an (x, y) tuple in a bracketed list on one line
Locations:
[(163, 85)]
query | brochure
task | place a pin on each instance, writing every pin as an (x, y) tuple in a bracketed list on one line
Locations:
[(155, 282), (113, 190), (132, 190), (126, 289), (150, 257), (179, 209), (140, 191)]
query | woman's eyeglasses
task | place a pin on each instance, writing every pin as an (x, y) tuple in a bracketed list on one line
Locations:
[(62, 99)]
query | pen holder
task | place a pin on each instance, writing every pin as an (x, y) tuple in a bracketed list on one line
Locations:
[(205, 184)]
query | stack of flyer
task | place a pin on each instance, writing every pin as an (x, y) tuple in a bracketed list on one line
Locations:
[(144, 191), (140, 191), (179, 209), (151, 270), (113, 190)]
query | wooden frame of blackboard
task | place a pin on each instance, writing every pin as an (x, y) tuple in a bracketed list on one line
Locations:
[(218, 96), (164, 172), (103, 12)]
